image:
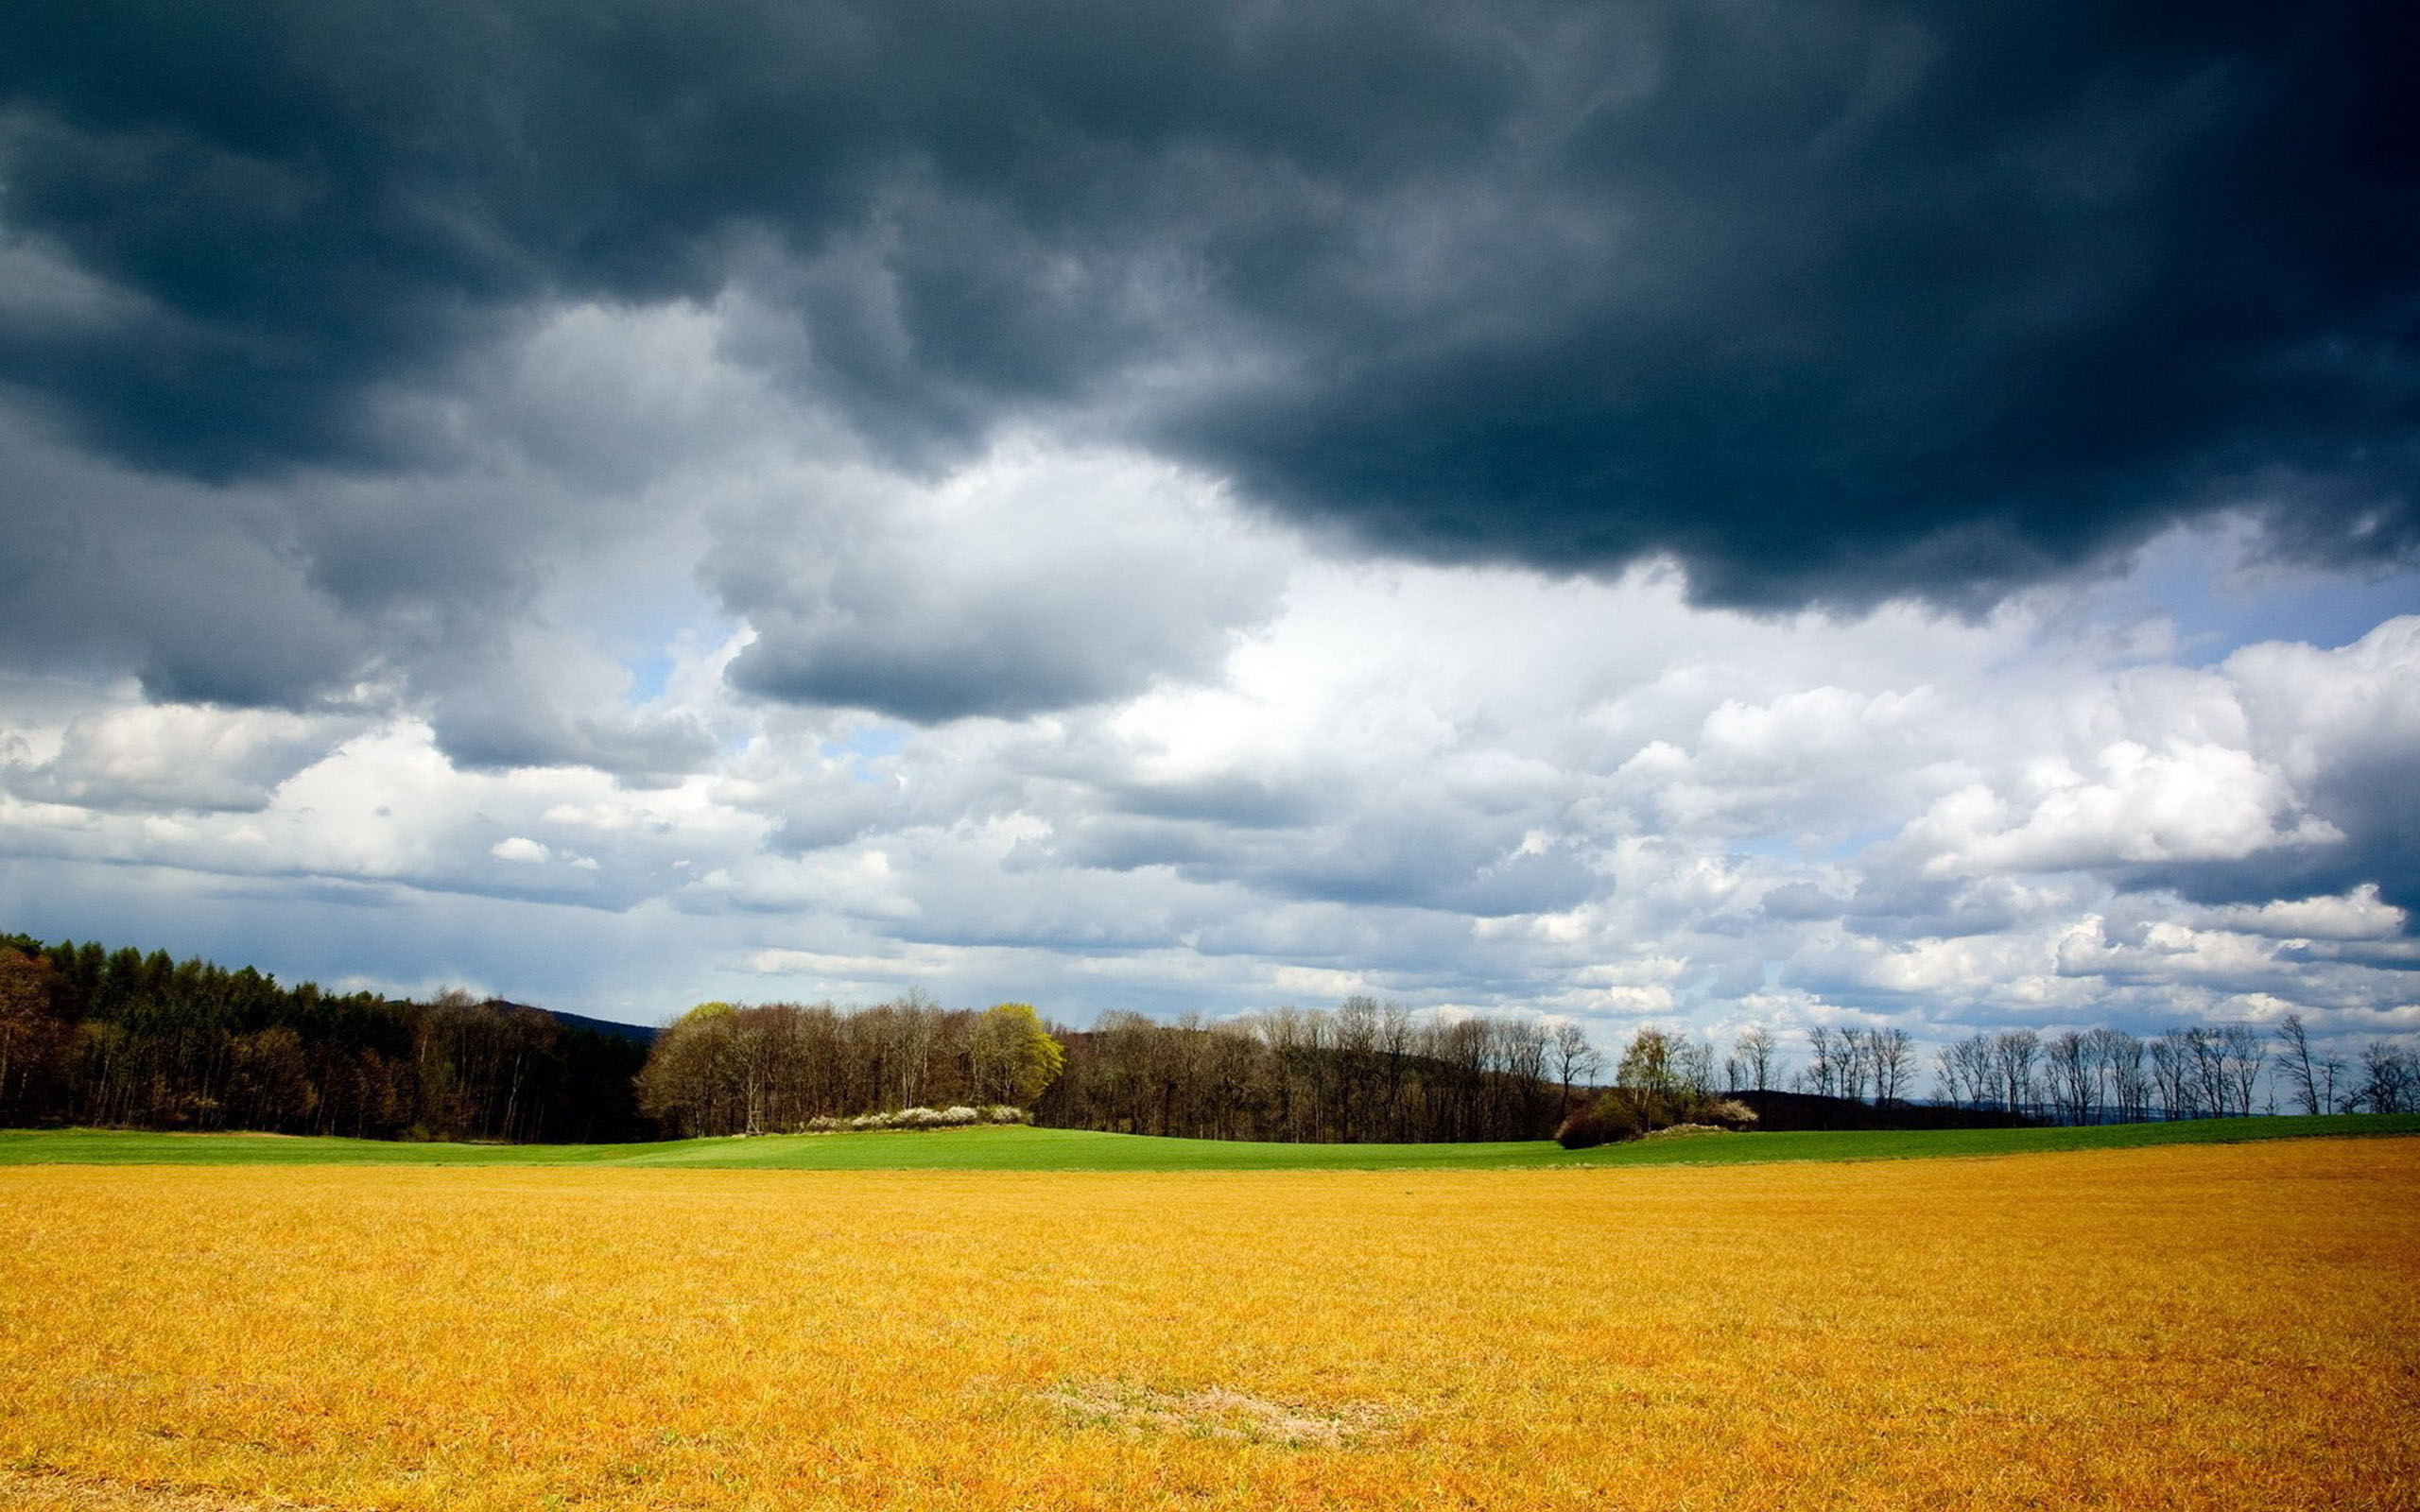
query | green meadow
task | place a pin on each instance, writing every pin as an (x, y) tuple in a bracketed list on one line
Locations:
[(1052, 1150)]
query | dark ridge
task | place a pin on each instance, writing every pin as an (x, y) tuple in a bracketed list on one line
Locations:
[(612, 1028), (1779, 1111)]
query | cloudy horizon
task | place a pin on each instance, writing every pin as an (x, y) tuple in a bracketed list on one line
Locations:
[(1688, 514)]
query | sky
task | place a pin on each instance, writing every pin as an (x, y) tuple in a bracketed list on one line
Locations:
[(1702, 513)]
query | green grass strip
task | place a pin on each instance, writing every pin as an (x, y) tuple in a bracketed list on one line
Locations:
[(1049, 1149)]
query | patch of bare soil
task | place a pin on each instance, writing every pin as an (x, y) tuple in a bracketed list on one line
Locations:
[(1216, 1412)]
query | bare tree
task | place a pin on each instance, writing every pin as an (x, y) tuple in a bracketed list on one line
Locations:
[(2171, 1077), (2013, 1052), (2205, 1051), (1576, 1059), (2294, 1060), (1397, 1037), (1821, 1067), (1849, 1064), (1945, 1075), (2120, 1060), (1693, 1060), (1966, 1071), (2067, 1068), (1758, 1051), (2246, 1050), (1892, 1056), (2389, 1079)]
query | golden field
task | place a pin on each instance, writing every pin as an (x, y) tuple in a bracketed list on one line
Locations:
[(2197, 1326)]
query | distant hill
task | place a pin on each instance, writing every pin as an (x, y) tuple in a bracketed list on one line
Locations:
[(1780, 1110), (636, 1033)]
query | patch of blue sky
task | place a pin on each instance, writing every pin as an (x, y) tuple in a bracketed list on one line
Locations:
[(2219, 601), (868, 744), (648, 675)]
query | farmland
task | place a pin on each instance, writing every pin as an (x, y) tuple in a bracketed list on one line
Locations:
[(1053, 1149), (2203, 1325)]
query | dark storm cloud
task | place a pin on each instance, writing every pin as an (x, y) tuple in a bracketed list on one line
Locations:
[(1831, 301)]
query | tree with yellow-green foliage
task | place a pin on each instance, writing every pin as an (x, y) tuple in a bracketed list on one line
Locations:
[(1013, 1057), (692, 1079), (781, 1067)]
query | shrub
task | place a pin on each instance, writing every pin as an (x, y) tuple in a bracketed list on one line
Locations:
[(1633, 1113), (1726, 1112), (1583, 1131)]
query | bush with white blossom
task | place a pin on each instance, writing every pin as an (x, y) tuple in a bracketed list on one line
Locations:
[(918, 1118)]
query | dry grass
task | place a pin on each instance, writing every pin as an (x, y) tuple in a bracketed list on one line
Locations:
[(2187, 1326), (1220, 1412)]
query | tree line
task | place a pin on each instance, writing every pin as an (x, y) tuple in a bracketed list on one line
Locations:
[(1366, 1072), (2194, 1070), (121, 1038), (2091, 1075), (781, 1067), (2097, 1075)]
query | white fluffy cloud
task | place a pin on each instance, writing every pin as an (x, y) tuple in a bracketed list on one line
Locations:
[(721, 707), (135, 756), (2190, 801)]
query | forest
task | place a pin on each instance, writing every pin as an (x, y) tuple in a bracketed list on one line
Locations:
[(122, 1038), (782, 1068), (1366, 1072)]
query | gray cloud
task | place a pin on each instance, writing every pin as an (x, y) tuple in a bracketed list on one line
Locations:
[(1797, 901), (1831, 302), (1032, 584), (197, 591), (333, 588), (154, 757)]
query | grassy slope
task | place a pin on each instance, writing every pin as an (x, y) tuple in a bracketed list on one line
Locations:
[(1036, 1149)]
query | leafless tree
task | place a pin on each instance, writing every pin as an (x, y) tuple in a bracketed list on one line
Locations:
[(1576, 1059), (2389, 1079), (1945, 1087), (1849, 1064), (1821, 1066), (1965, 1069), (2067, 1070), (2013, 1052), (2243, 1051), (2294, 1060), (2172, 1081), (1758, 1051), (2117, 1059), (2206, 1052), (1398, 1044), (1891, 1054)]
